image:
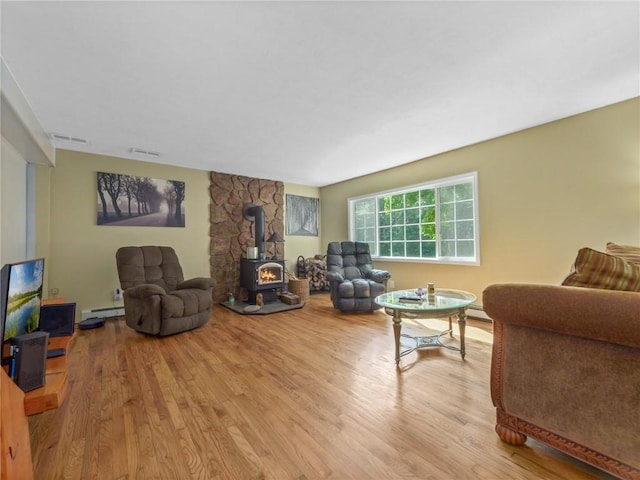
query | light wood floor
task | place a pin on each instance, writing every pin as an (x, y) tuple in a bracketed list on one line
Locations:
[(307, 394)]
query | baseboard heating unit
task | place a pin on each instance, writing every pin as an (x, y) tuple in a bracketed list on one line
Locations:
[(476, 311), (107, 312)]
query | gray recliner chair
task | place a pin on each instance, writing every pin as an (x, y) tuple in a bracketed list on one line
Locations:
[(354, 283), (157, 300)]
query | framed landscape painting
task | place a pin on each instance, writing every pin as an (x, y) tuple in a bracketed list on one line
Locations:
[(127, 200), (302, 215)]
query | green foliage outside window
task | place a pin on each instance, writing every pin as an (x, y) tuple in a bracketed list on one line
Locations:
[(433, 222)]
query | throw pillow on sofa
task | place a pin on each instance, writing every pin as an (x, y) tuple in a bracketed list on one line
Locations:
[(626, 252), (595, 269)]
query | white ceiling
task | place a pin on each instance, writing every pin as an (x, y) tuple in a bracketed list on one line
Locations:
[(313, 92)]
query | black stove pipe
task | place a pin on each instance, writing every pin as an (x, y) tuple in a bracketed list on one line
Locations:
[(255, 213)]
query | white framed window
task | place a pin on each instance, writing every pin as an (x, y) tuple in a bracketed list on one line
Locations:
[(436, 221)]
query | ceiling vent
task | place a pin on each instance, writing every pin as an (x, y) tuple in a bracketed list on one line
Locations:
[(66, 138), (146, 153)]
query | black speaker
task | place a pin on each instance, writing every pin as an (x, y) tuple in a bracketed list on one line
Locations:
[(29, 360), (58, 319)]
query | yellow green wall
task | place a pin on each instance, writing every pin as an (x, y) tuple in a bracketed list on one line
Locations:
[(301, 245), (543, 193), (80, 255)]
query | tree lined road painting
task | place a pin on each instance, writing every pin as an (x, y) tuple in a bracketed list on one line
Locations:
[(126, 200), (302, 215)]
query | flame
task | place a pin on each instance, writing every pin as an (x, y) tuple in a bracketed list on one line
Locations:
[(267, 275)]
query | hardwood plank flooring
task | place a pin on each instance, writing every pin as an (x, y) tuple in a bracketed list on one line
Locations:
[(305, 394)]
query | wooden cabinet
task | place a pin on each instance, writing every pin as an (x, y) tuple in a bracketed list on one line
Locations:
[(16, 405), (14, 432)]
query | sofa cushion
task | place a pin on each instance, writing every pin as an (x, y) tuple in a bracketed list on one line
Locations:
[(626, 252), (595, 269)]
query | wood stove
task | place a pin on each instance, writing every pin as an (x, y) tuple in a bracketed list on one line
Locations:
[(262, 276)]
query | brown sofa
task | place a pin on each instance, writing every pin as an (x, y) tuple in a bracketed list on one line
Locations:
[(157, 299), (566, 371)]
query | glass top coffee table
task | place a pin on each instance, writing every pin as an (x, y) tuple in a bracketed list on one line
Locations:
[(444, 303)]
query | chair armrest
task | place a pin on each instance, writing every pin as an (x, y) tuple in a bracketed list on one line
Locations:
[(335, 277), (144, 290), (604, 315), (201, 283), (376, 275)]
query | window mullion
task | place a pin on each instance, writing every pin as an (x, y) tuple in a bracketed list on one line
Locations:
[(437, 201), (376, 225)]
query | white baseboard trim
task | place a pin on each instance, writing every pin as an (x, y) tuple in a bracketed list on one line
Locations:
[(106, 312)]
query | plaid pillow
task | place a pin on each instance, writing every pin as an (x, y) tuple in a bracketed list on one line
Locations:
[(626, 252), (595, 269)]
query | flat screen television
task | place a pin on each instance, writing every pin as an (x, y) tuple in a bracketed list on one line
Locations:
[(20, 298)]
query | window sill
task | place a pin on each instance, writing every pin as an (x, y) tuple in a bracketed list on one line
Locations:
[(436, 261)]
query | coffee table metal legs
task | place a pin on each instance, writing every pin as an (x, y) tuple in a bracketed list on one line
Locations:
[(462, 323), (431, 340)]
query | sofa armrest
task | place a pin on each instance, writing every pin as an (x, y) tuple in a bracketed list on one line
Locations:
[(335, 277), (201, 283), (144, 290), (380, 276), (605, 315)]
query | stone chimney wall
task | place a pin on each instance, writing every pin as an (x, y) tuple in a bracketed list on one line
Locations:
[(231, 233)]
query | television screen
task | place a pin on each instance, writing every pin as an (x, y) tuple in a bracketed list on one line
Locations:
[(21, 295)]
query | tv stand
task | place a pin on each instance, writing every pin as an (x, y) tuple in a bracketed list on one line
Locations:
[(14, 432), (52, 393)]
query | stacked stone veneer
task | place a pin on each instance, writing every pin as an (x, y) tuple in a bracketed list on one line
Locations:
[(231, 233)]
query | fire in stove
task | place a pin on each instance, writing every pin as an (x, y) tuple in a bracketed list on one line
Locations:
[(269, 273), (267, 276)]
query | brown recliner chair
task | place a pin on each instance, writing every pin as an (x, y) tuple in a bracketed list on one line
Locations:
[(157, 300)]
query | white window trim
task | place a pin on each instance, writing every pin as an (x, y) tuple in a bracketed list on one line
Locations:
[(443, 182)]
